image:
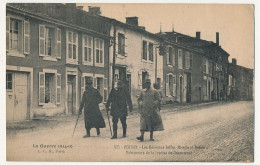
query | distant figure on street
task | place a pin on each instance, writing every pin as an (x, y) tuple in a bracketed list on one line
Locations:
[(92, 115), (150, 119), (119, 98), (213, 95), (157, 87), (221, 95), (231, 94)]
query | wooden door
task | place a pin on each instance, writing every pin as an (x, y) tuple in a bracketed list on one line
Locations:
[(17, 100), (70, 97)]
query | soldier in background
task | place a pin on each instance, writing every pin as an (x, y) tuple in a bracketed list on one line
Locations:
[(119, 98), (150, 119), (92, 115), (157, 87)]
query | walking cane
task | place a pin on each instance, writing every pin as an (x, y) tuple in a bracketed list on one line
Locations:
[(109, 122), (76, 125)]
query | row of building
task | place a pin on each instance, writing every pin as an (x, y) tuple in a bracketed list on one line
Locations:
[(52, 49)]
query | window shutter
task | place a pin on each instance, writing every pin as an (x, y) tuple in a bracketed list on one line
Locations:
[(167, 55), (58, 43), (41, 40), (7, 32), (173, 57), (125, 45), (26, 37), (58, 89), (41, 88), (82, 86), (84, 40), (174, 86), (95, 82), (140, 79), (167, 92), (105, 89), (191, 59)]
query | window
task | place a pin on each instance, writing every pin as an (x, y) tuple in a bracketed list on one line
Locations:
[(72, 46), (171, 57), (170, 85), (188, 60), (205, 83), (49, 88), (145, 75), (87, 50), (180, 63), (100, 83), (99, 47), (210, 66), (204, 64), (9, 81), (49, 42), (17, 35), (121, 44), (150, 51), (144, 50), (14, 34)]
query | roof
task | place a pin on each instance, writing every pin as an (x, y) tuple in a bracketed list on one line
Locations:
[(207, 46)]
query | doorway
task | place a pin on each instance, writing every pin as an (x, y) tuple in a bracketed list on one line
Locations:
[(188, 94), (71, 96), (17, 96), (181, 89)]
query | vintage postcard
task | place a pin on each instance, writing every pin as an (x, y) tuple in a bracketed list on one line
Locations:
[(129, 82)]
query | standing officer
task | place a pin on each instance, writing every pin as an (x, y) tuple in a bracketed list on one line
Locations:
[(92, 115), (150, 118), (119, 98)]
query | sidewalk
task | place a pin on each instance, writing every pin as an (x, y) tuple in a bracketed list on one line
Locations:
[(54, 121)]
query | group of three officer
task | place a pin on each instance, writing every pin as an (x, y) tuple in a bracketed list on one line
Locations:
[(119, 99)]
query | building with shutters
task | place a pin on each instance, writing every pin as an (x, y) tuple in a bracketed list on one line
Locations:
[(180, 65), (136, 56), (205, 76), (241, 80), (51, 49)]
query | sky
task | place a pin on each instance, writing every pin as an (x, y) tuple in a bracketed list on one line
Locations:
[(235, 23)]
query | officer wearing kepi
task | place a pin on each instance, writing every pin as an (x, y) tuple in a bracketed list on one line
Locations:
[(92, 115), (119, 98)]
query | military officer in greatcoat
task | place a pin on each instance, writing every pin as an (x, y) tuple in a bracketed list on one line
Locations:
[(150, 118), (119, 98), (92, 115)]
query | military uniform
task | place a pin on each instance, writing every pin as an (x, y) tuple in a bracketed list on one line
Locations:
[(92, 115), (150, 119), (119, 99)]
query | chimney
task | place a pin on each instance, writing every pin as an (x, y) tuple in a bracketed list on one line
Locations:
[(217, 38), (94, 10), (71, 5), (198, 35), (234, 61), (80, 7), (132, 21), (142, 27)]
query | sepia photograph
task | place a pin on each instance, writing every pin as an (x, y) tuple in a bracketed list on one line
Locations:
[(129, 82)]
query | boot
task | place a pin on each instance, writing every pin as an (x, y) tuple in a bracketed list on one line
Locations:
[(88, 134), (151, 136), (141, 138), (98, 131), (114, 136), (124, 132)]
